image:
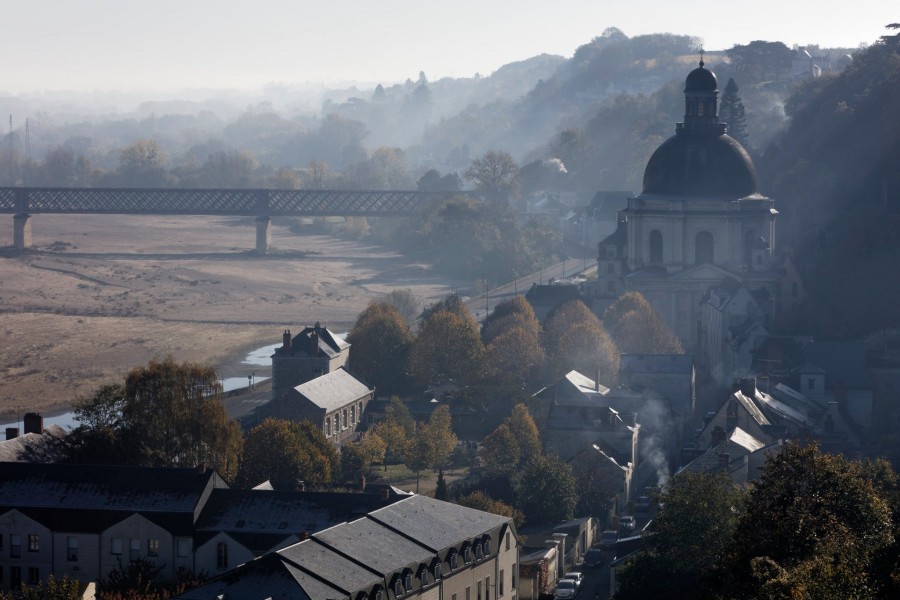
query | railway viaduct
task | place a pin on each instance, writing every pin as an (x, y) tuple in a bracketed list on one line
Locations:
[(24, 202)]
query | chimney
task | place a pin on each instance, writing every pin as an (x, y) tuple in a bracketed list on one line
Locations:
[(34, 423), (12, 433), (286, 340), (748, 387), (724, 459), (597, 380), (313, 349)]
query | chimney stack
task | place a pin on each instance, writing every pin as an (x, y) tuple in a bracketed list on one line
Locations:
[(12, 433), (724, 459), (597, 380), (748, 387), (313, 349), (286, 340), (34, 423)]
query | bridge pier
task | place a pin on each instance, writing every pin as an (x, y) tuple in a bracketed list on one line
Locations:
[(263, 235), (22, 231)]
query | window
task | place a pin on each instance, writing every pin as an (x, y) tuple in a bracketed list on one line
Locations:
[(453, 597), (152, 547), (134, 549), (703, 248), (327, 426), (423, 577), (34, 542), (478, 590), (183, 547), (515, 578), (700, 108), (15, 578), (452, 560), (34, 575), (409, 582), (468, 592), (379, 595), (467, 554), (72, 548), (656, 247), (398, 587), (487, 547), (344, 419), (337, 426), (115, 546), (352, 415), (222, 555), (500, 581), (810, 383), (438, 572), (487, 588), (478, 554), (507, 540)]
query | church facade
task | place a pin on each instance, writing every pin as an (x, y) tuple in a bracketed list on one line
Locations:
[(700, 223)]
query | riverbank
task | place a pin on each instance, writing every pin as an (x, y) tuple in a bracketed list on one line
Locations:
[(103, 294)]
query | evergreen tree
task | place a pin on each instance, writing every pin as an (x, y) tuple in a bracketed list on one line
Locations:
[(440, 492), (731, 110)]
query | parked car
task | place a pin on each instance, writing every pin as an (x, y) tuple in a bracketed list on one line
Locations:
[(593, 558), (575, 576), (627, 525), (565, 589), (609, 538)]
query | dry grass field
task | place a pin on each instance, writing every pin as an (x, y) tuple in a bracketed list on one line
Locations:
[(99, 295)]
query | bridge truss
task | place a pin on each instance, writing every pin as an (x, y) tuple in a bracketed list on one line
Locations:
[(179, 201)]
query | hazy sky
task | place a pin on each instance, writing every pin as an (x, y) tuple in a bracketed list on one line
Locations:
[(171, 44)]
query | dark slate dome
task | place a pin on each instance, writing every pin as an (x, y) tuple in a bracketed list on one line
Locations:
[(701, 80), (701, 165)]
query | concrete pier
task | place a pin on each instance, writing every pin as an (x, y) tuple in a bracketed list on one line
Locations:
[(263, 235), (22, 231)]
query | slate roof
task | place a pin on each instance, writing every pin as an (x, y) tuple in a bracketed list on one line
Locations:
[(33, 447), (329, 343), (134, 489), (333, 390), (266, 511), (340, 572), (354, 556), (750, 406), (436, 524), (370, 542)]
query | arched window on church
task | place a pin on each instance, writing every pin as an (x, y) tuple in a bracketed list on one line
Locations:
[(656, 247), (703, 248), (700, 107)]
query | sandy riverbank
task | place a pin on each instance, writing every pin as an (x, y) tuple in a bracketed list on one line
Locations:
[(100, 295)]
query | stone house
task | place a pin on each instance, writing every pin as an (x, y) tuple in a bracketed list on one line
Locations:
[(313, 352), (336, 402)]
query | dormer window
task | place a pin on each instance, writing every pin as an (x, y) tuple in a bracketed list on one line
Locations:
[(438, 572), (423, 577), (487, 547), (408, 581), (467, 555), (453, 560), (478, 553), (398, 588)]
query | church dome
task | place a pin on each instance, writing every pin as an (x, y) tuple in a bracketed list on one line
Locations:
[(701, 165), (700, 160), (701, 80)]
